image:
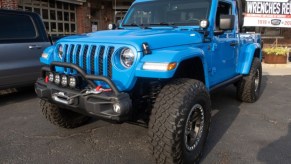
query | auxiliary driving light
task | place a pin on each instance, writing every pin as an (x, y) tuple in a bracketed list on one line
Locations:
[(204, 23), (64, 81), (116, 108), (51, 77), (57, 79), (72, 82)]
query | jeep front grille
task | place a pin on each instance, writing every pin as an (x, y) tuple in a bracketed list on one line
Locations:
[(93, 59), (100, 60)]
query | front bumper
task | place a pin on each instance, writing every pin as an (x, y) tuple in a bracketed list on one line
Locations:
[(94, 104)]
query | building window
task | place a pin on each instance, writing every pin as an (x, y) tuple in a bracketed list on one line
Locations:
[(59, 17)]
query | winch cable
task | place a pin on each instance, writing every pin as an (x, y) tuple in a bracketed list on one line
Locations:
[(86, 92)]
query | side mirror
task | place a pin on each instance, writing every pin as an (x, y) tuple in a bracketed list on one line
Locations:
[(226, 22), (118, 23)]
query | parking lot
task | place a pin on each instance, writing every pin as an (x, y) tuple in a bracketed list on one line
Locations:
[(240, 132)]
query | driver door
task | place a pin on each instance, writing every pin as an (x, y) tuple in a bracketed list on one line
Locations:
[(225, 54)]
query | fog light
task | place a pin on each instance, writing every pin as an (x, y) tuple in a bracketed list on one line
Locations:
[(72, 82), (64, 80), (57, 79), (51, 77), (116, 108)]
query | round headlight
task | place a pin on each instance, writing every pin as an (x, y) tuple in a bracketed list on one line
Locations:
[(60, 52), (127, 57), (51, 77), (57, 79), (72, 82), (64, 80)]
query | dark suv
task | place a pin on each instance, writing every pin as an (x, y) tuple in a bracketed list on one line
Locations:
[(22, 39)]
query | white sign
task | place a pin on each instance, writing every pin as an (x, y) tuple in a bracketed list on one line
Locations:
[(268, 13)]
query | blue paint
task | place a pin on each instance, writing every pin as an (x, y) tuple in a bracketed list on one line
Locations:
[(168, 44)]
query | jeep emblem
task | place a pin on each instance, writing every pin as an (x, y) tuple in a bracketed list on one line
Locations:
[(275, 21)]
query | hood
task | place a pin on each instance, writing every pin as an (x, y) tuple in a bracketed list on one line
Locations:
[(154, 37)]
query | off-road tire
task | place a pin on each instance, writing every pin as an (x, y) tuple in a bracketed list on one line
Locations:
[(168, 121), (246, 88), (62, 117)]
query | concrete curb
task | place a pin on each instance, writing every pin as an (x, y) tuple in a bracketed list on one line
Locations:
[(276, 69)]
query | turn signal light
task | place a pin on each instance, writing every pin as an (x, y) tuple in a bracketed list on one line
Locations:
[(159, 66), (172, 66)]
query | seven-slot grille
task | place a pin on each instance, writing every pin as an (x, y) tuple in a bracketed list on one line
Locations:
[(93, 59)]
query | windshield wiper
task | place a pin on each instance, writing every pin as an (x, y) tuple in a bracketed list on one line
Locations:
[(164, 24), (142, 26)]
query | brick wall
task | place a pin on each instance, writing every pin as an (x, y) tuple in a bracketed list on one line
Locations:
[(108, 13), (83, 18), (105, 17), (92, 11), (9, 4)]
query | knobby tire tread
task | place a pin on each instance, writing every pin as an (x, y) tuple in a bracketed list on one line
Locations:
[(62, 117), (168, 116)]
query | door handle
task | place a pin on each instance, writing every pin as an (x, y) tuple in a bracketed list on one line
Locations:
[(34, 47), (233, 44)]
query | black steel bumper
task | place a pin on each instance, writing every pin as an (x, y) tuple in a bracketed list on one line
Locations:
[(100, 105)]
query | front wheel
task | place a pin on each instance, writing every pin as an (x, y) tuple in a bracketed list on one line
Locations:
[(62, 117), (180, 121)]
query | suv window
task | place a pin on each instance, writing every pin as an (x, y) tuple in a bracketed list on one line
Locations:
[(17, 27)]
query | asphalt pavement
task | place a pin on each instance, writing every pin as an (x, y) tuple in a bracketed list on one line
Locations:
[(240, 132)]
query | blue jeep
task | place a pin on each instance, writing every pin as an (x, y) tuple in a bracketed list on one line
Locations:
[(159, 66)]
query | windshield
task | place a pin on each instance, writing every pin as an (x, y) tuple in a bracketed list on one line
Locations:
[(168, 12)]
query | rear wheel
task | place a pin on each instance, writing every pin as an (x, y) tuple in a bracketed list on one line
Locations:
[(62, 117), (180, 121), (248, 89)]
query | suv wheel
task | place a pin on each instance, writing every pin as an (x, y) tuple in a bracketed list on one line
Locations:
[(180, 121), (248, 89), (62, 117)]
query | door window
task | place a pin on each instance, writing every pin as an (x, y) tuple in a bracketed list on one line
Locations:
[(17, 27)]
